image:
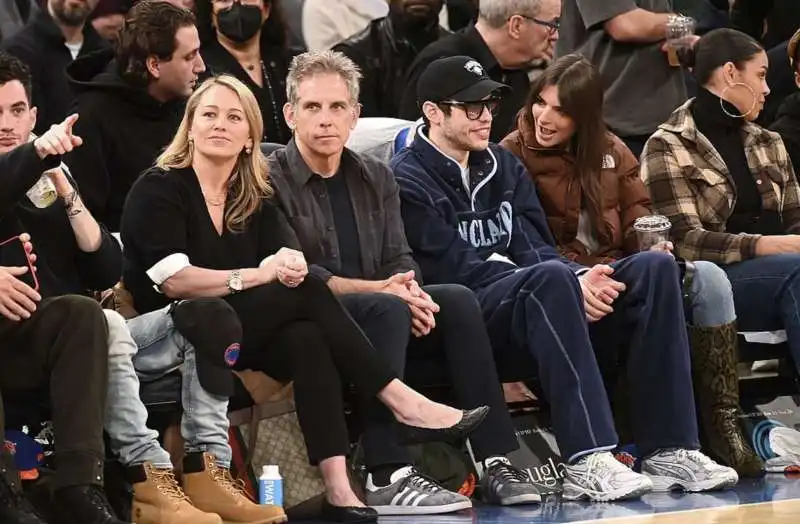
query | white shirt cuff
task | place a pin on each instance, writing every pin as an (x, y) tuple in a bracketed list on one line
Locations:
[(266, 261), (168, 267)]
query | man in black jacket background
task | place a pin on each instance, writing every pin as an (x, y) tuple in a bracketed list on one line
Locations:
[(385, 49), (54, 36)]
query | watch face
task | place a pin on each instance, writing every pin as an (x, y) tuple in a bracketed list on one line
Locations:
[(235, 282)]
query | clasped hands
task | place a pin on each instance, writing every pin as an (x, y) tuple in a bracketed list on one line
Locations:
[(599, 291), (422, 306)]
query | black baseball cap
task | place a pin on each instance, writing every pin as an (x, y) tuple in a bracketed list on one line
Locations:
[(212, 326), (457, 78)]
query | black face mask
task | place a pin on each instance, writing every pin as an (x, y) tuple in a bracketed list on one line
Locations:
[(239, 22)]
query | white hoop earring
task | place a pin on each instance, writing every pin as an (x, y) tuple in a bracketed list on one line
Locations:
[(722, 100)]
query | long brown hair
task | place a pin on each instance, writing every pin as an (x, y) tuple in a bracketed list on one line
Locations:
[(580, 95), (249, 182)]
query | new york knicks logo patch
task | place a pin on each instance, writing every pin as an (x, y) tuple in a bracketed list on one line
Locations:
[(232, 354)]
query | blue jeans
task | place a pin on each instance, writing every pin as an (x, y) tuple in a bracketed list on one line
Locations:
[(711, 296), (766, 293), (148, 349)]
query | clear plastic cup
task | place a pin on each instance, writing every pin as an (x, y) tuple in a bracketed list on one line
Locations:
[(651, 230), (679, 31), (43, 194)]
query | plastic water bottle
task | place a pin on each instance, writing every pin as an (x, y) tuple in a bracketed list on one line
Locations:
[(270, 486)]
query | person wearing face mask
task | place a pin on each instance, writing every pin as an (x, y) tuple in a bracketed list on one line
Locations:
[(507, 38), (247, 39), (728, 186), (385, 49)]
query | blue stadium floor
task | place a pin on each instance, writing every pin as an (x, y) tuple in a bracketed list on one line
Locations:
[(771, 488)]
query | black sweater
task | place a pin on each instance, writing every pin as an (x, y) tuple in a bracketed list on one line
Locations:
[(725, 134), (62, 268)]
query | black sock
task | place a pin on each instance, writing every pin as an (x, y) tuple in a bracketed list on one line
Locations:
[(381, 475)]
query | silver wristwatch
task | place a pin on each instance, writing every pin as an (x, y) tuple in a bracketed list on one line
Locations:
[(234, 282)]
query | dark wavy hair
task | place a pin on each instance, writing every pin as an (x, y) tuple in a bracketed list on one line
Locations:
[(149, 29), (273, 33), (12, 68), (580, 94)]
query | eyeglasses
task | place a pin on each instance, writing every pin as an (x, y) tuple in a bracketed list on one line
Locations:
[(27, 259), (552, 27), (474, 110)]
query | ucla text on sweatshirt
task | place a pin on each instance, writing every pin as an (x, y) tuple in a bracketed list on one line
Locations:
[(473, 229)]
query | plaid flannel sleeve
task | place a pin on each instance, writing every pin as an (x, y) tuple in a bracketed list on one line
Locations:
[(673, 197)]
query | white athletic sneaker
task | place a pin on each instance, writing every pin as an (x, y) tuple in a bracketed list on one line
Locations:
[(689, 470), (602, 478)]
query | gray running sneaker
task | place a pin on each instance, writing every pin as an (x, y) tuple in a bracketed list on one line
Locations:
[(506, 485), (412, 493), (688, 470)]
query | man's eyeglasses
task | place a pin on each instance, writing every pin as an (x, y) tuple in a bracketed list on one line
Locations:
[(474, 110), (553, 26)]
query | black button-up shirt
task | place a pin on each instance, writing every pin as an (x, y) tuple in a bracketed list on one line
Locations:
[(375, 199)]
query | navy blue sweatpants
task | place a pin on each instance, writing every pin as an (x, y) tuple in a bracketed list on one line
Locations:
[(539, 309)]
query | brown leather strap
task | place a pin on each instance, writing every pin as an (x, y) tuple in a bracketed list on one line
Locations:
[(252, 435)]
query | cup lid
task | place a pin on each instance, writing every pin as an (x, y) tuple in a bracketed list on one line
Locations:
[(652, 223)]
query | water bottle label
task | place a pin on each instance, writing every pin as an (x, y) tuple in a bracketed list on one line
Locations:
[(271, 492)]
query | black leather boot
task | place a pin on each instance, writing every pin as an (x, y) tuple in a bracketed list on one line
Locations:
[(716, 388), (86, 505), (14, 507)]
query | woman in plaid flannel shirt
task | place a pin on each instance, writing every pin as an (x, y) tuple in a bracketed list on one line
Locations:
[(728, 185)]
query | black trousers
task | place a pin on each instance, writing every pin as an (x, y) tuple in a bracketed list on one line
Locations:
[(456, 354), (63, 345), (306, 336)]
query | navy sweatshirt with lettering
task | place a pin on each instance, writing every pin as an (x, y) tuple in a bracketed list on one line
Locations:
[(474, 228)]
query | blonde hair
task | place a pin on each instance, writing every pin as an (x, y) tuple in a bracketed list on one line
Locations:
[(249, 181)]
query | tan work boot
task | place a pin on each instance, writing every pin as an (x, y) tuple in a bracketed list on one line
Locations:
[(157, 499), (212, 489)]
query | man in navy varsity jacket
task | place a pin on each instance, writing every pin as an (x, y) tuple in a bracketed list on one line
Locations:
[(472, 217)]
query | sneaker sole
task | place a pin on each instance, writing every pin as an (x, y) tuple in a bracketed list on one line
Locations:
[(422, 510), (576, 493), (528, 498), (664, 484)]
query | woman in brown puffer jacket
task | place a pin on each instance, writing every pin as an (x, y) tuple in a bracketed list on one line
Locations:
[(588, 183)]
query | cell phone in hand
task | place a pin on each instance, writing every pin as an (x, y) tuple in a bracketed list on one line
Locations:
[(12, 253)]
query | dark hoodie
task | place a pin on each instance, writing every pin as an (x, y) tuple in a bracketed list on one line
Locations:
[(123, 129), (40, 44), (787, 124)]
